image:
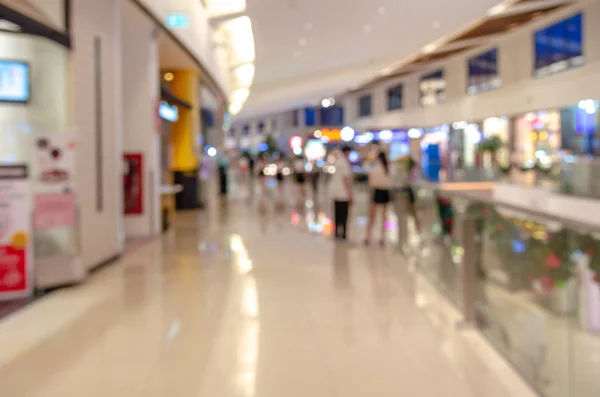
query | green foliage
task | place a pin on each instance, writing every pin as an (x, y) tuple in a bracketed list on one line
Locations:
[(272, 145), (492, 144)]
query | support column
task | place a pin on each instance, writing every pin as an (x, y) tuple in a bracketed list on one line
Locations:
[(185, 85), (141, 139)]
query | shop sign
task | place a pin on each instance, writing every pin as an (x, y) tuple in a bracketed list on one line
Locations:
[(331, 135), (168, 112), (15, 232), (133, 184), (57, 260), (178, 20)]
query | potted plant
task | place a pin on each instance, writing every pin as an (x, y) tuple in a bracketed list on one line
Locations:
[(491, 146)]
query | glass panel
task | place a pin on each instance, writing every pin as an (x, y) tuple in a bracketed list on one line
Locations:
[(560, 46), (433, 88), (364, 106), (539, 301), (438, 248)]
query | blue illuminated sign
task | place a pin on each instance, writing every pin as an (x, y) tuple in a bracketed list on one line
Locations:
[(178, 20)]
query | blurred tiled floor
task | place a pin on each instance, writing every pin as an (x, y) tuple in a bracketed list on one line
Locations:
[(235, 303)]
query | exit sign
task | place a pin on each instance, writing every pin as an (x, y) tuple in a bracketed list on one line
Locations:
[(178, 21)]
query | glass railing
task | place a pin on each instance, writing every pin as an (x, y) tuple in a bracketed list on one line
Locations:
[(437, 248), (529, 281), (574, 175)]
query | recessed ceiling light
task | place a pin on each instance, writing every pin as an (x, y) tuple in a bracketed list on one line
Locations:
[(302, 41), (367, 28), (308, 26), (297, 54), (436, 24), (382, 10)]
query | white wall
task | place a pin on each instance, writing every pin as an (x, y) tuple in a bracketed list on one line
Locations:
[(100, 225), (53, 9), (141, 91), (47, 110), (198, 37), (520, 92)]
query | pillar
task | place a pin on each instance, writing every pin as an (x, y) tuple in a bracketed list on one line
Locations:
[(185, 86)]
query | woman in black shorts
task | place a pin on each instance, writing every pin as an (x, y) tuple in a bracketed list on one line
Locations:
[(380, 182)]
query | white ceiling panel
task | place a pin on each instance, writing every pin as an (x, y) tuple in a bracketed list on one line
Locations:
[(299, 43)]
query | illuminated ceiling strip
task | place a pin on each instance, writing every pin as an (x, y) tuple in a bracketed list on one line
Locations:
[(532, 6)]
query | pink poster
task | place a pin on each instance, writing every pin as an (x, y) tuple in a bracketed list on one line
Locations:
[(54, 210)]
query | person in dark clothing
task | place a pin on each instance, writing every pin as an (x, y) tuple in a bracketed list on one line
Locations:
[(342, 193)]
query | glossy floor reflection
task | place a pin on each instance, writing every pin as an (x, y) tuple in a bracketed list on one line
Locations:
[(237, 304)]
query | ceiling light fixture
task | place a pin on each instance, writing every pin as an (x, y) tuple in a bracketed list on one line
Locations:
[(326, 103), (169, 76), (382, 10), (437, 24), (308, 26), (496, 10), (429, 48), (297, 54), (367, 28), (302, 41)]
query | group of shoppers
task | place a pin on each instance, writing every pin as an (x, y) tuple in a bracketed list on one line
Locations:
[(382, 179)]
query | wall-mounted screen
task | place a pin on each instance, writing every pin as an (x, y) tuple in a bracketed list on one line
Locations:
[(14, 81), (483, 72), (560, 46)]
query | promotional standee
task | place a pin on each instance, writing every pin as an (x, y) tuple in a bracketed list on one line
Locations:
[(16, 266), (55, 223)]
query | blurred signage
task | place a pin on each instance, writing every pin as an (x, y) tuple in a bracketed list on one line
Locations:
[(57, 260), (15, 232), (178, 20), (331, 135), (168, 112)]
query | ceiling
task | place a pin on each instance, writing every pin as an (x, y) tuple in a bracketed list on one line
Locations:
[(309, 49)]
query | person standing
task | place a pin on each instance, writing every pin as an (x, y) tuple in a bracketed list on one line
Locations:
[(380, 182), (342, 193), (300, 172)]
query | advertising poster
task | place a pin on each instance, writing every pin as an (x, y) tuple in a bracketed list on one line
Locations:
[(133, 187), (55, 212), (15, 232)]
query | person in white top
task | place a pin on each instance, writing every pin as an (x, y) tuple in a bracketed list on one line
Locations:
[(380, 182), (341, 193)]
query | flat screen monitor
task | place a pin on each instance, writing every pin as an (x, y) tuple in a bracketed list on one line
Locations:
[(14, 81)]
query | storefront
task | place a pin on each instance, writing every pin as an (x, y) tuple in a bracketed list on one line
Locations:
[(480, 144), (435, 152), (579, 124), (38, 209), (537, 139)]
